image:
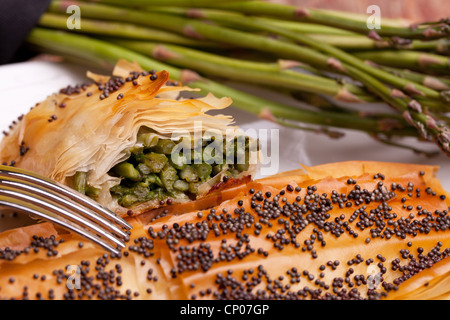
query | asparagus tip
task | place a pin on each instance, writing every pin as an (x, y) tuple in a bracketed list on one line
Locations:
[(443, 140), (395, 93), (435, 83), (411, 88), (414, 105), (431, 123), (425, 60), (431, 33), (407, 116), (345, 96), (445, 95)]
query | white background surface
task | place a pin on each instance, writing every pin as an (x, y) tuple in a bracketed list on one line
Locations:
[(22, 85)]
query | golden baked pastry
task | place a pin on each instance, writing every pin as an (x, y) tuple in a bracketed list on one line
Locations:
[(113, 140), (351, 230)]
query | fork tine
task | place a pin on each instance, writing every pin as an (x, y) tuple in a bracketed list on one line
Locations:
[(23, 175), (49, 195), (49, 216), (41, 203)]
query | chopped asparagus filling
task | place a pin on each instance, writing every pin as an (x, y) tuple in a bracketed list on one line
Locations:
[(80, 184), (153, 173)]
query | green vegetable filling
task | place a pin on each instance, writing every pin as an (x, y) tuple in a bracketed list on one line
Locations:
[(80, 184), (153, 173)]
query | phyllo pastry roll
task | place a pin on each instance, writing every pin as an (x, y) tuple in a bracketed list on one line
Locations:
[(130, 142), (342, 231)]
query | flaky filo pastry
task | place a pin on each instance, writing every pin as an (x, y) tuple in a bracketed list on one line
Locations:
[(335, 231), (91, 128)]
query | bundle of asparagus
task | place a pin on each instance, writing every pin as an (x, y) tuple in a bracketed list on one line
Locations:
[(320, 57)]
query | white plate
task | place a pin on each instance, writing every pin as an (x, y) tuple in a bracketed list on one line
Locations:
[(24, 84)]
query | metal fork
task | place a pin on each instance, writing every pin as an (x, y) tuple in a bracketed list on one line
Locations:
[(49, 200)]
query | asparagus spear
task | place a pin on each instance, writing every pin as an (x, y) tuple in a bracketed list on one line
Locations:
[(353, 65), (426, 123), (305, 27), (441, 46), (80, 181), (106, 54), (302, 27), (414, 60), (341, 20), (122, 30), (271, 74), (182, 3), (199, 29), (326, 104), (412, 88), (340, 38), (433, 82), (360, 42), (353, 69), (262, 73)]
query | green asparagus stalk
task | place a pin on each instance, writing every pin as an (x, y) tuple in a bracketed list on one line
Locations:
[(323, 130), (271, 74), (433, 82), (351, 43), (426, 123), (430, 101), (122, 30), (370, 82), (341, 20), (415, 108), (179, 3), (199, 29), (305, 27), (261, 73), (412, 88), (301, 27), (414, 60), (106, 55), (433, 105), (441, 46), (326, 104), (340, 38), (360, 43)]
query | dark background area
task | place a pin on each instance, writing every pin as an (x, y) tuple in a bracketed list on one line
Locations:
[(17, 18)]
